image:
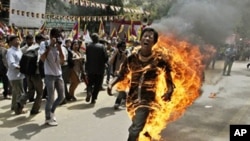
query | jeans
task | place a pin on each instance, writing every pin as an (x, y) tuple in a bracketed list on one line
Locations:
[(138, 123), (120, 97), (52, 83)]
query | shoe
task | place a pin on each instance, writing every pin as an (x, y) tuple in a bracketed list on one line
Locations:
[(19, 109), (52, 116), (6, 97), (34, 112), (74, 98), (51, 122), (93, 101), (68, 98), (116, 106), (63, 102), (31, 100), (88, 97)]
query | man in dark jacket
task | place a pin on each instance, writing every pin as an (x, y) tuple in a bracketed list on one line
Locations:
[(96, 58)]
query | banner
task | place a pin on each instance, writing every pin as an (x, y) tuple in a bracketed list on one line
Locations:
[(29, 20)]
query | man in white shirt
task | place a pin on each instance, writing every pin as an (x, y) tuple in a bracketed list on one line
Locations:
[(52, 56), (14, 55)]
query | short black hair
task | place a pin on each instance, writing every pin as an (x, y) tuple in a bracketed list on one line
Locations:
[(152, 30), (55, 32), (29, 36), (11, 38), (95, 37), (121, 44), (67, 40), (39, 37)]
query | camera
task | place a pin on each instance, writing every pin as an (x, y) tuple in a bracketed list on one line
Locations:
[(59, 40)]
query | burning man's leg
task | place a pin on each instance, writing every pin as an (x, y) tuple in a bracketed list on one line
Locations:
[(138, 123)]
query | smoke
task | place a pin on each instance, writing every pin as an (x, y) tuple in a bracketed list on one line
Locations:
[(207, 21)]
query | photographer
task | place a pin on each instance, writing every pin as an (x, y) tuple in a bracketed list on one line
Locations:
[(52, 56)]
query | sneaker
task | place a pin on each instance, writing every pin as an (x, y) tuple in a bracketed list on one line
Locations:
[(88, 97), (63, 102), (52, 116), (116, 106), (74, 98), (51, 122), (34, 112), (19, 109), (93, 101)]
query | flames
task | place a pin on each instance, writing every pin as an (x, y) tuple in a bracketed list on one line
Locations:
[(187, 73)]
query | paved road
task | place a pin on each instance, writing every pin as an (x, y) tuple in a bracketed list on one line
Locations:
[(208, 119)]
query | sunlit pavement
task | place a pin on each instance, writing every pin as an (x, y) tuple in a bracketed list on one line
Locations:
[(208, 119)]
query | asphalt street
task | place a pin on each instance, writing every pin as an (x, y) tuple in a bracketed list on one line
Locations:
[(208, 119)]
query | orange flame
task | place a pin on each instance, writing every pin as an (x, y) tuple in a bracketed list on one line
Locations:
[(187, 72)]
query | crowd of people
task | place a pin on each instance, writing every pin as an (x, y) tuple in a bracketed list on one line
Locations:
[(61, 64)]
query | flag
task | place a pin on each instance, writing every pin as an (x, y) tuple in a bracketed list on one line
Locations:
[(121, 28), (12, 30), (128, 33), (85, 29), (1, 31), (2, 28), (87, 37), (19, 34), (42, 28), (131, 33), (139, 32), (101, 30), (75, 31), (113, 33)]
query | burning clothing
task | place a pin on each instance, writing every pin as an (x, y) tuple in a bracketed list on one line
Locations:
[(144, 72)]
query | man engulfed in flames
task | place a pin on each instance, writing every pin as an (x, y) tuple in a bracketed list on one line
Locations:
[(151, 74)]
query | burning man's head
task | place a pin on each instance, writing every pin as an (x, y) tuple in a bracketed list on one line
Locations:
[(150, 29), (149, 37)]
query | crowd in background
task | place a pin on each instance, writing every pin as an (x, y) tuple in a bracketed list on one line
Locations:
[(64, 67)]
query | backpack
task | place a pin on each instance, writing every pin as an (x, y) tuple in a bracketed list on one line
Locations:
[(28, 62)]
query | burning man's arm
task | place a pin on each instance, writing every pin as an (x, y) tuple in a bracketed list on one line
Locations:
[(170, 85)]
